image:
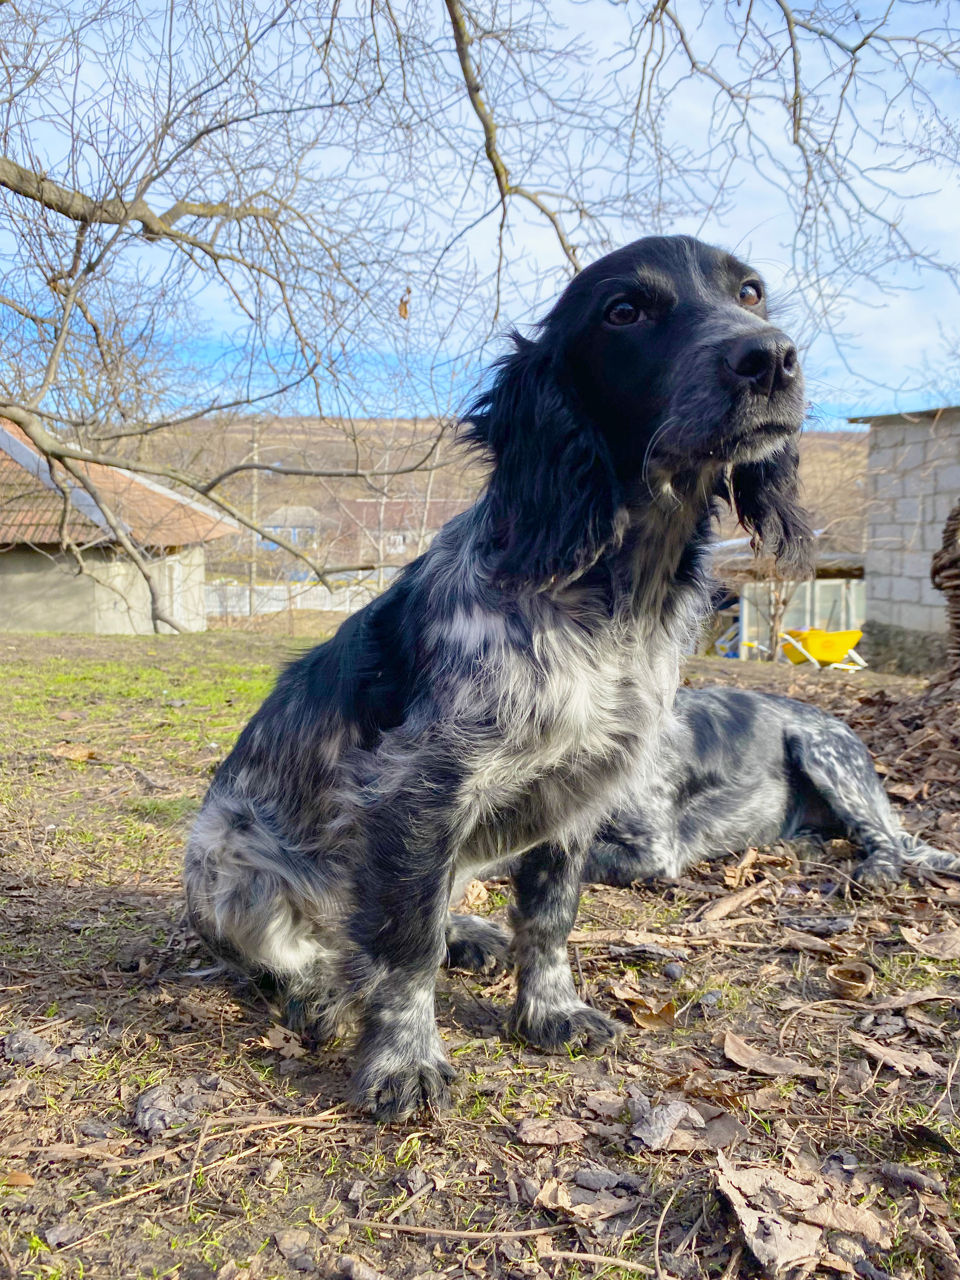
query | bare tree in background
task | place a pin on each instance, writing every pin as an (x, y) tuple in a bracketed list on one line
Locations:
[(229, 208)]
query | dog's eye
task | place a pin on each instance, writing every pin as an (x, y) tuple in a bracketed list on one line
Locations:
[(751, 293), (621, 313)]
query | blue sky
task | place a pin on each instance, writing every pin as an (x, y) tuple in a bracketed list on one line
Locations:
[(875, 346)]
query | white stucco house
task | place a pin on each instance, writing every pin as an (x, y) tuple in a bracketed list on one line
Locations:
[(62, 567)]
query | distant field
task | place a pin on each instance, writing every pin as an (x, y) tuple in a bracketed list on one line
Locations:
[(257, 1168)]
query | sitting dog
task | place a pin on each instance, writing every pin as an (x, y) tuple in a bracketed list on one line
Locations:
[(741, 769), (488, 706)]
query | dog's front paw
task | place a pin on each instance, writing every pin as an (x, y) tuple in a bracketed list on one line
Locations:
[(390, 1090), (476, 944), (576, 1024)]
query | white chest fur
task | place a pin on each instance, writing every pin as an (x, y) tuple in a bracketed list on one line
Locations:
[(563, 719)]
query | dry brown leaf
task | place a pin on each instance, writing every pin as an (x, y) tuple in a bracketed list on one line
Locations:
[(906, 1062), (718, 1086), (651, 1015), (75, 751), (606, 1103), (475, 895), (756, 1197), (795, 940), (18, 1178), (852, 1219), (904, 790), (656, 1128), (766, 1064), (941, 946), (721, 1130), (287, 1042), (583, 1205), (908, 998), (550, 1132)]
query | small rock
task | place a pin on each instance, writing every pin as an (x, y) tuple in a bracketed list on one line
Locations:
[(292, 1243), (62, 1233), (711, 998), (303, 1262), (168, 1105), (98, 1129), (271, 1171), (596, 1179), (673, 971), (32, 1050), (357, 1269)]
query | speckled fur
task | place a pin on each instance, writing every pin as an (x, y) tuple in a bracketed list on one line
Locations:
[(740, 769), (488, 707)]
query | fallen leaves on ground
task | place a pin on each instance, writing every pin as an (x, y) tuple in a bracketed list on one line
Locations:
[(940, 946), (646, 1013), (581, 1204), (906, 1062), (553, 1132), (677, 1124), (766, 1064), (285, 1041), (787, 1221)]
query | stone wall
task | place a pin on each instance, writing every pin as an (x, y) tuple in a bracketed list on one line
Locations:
[(913, 478)]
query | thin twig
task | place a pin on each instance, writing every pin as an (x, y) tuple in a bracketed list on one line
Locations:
[(731, 1269), (411, 1200), (661, 1274), (166, 1182), (449, 1234), (599, 1260), (188, 1192)]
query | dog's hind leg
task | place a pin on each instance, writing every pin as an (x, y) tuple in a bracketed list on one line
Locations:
[(256, 908), (838, 766), (548, 1011)]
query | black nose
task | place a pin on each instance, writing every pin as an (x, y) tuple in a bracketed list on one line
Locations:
[(766, 362)]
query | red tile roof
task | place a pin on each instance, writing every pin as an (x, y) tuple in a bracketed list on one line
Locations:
[(35, 497)]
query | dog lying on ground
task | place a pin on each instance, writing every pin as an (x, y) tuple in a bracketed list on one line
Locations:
[(741, 769), (489, 705)]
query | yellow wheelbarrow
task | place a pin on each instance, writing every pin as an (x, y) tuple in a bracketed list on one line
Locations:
[(824, 648)]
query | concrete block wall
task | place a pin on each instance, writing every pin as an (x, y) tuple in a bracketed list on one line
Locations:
[(913, 477)]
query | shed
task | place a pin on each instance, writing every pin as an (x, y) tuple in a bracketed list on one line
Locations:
[(62, 567)]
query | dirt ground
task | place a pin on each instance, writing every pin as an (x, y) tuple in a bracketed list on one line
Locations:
[(784, 1101)]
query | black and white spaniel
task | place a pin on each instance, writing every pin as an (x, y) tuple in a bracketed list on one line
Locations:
[(741, 769), (489, 707)]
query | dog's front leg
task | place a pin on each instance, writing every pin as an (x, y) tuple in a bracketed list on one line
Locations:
[(398, 930), (548, 1012)]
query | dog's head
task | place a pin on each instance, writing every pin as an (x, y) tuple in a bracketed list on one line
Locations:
[(656, 376)]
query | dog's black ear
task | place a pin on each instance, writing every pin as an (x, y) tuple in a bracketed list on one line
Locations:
[(553, 504), (766, 496)]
